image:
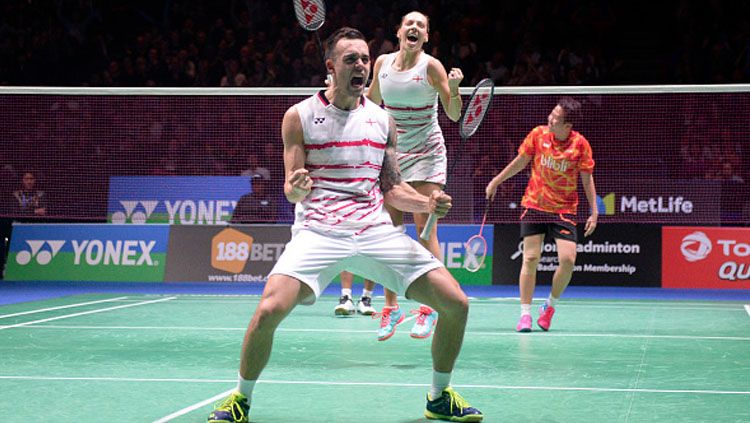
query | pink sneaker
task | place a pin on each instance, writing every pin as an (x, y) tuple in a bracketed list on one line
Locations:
[(545, 316), (524, 325)]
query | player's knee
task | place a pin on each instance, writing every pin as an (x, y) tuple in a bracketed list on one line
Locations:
[(567, 261), (531, 259), (269, 314)]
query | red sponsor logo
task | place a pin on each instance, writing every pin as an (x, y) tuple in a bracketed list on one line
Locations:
[(705, 257)]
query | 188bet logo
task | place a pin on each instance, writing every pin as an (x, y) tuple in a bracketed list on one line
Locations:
[(230, 250)]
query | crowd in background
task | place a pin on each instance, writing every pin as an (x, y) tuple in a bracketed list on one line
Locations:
[(257, 43)]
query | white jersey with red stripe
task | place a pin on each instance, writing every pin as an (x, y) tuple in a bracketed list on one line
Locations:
[(413, 103), (345, 150)]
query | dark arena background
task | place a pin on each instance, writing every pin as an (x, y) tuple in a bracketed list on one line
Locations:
[(132, 130)]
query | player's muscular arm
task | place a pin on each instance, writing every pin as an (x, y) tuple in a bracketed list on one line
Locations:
[(297, 182)]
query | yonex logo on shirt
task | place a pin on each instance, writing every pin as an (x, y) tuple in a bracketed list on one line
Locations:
[(318, 120)]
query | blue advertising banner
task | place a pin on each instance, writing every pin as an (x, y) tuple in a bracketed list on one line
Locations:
[(88, 252), (453, 248), (176, 200)]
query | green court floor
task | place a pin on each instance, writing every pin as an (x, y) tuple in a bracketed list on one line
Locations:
[(151, 358)]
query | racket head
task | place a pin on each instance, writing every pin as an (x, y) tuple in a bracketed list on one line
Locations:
[(311, 14), (475, 253), (476, 109)]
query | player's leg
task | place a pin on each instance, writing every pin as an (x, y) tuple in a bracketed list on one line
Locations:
[(426, 316), (532, 253), (565, 238), (391, 315), (345, 307), (280, 296), (364, 304), (438, 289)]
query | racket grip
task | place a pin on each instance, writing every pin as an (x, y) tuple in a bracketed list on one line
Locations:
[(425, 235)]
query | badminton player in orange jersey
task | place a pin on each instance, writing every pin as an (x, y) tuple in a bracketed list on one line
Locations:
[(559, 155)]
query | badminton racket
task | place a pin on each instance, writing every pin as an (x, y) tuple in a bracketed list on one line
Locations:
[(311, 15), (476, 110), (476, 246)]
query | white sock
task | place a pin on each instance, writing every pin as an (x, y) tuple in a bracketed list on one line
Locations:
[(552, 301), (525, 309), (346, 292), (440, 381), (366, 293), (245, 386)]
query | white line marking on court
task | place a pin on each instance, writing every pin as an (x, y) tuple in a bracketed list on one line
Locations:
[(381, 384), (371, 331), (193, 407), (747, 309), (42, 310), (66, 316)]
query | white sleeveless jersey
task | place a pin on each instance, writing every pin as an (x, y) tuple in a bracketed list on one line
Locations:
[(413, 103), (345, 151)]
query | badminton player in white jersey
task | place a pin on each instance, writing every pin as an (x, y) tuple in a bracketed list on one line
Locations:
[(339, 158), (409, 83)]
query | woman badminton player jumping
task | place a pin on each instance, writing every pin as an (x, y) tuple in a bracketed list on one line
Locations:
[(409, 82)]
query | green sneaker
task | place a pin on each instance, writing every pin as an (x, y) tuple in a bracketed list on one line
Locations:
[(452, 407), (234, 409)]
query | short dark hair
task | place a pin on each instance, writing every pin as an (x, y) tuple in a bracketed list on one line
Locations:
[(571, 109), (344, 32)]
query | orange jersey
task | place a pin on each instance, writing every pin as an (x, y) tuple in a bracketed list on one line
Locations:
[(553, 186)]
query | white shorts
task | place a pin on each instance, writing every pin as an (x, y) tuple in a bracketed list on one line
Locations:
[(384, 254)]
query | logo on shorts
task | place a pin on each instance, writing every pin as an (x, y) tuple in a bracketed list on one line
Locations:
[(318, 120), (42, 256)]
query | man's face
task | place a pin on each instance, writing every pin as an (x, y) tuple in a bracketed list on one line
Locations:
[(28, 181), (351, 66)]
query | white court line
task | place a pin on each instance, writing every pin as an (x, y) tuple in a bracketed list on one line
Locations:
[(195, 406), (380, 384), (747, 309), (66, 316), (42, 310), (371, 331)]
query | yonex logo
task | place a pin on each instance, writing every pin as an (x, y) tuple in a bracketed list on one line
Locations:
[(318, 120), (132, 216), (695, 246), (42, 256)]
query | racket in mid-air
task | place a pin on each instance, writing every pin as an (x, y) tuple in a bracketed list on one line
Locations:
[(476, 246), (476, 110), (311, 15)]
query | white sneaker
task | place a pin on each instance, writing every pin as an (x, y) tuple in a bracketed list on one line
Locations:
[(364, 306), (345, 307)]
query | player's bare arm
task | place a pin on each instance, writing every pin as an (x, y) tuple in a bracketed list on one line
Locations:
[(446, 84), (590, 189), (373, 91), (515, 166), (297, 183)]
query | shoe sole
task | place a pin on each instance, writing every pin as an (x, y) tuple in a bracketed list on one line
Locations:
[(523, 330), (542, 327), (473, 418), (343, 313)]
